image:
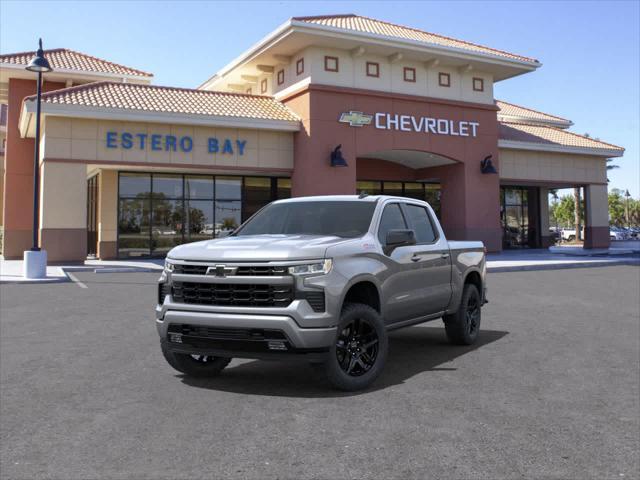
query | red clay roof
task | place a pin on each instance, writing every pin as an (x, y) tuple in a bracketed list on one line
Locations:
[(152, 98), (513, 110), (370, 25), (545, 135), (65, 59)]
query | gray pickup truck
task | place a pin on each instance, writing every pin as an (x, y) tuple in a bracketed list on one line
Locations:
[(322, 279)]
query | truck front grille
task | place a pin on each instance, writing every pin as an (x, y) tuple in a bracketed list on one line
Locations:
[(249, 270), (240, 295), (224, 333)]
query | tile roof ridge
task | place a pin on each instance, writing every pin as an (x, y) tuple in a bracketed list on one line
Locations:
[(142, 72), (530, 59), (74, 88), (318, 17), (532, 110), (562, 130), (69, 50), (92, 85), (30, 52)]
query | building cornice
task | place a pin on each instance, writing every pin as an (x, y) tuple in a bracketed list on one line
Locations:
[(129, 115), (544, 147)]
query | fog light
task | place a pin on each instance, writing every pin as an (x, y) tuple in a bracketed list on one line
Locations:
[(175, 337), (276, 345)]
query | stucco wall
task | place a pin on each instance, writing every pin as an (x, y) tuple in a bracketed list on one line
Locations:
[(85, 140), (352, 73), (551, 167)]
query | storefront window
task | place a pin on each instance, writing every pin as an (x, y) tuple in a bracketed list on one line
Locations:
[(429, 192), (283, 188), (392, 188), (257, 193), (156, 212), (519, 219), (134, 226), (371, 188)]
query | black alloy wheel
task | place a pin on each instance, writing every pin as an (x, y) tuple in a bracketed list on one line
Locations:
[(472, 315), (357, 347)]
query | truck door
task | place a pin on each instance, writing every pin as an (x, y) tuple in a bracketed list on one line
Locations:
[(431, 254), (404, 287)]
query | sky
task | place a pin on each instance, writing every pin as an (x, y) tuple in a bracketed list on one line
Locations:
[(590, 51)]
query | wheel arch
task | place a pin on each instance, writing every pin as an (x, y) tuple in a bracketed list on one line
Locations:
[(363, 289)]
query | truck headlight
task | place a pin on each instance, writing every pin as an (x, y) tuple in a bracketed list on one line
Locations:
[(168, 266), (321, 267)]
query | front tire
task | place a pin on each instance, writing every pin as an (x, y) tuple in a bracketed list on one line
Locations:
[(359, 352), (195, 365), (463, 326)]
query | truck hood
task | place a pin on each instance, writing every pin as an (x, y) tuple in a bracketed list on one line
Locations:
[(259, 248)]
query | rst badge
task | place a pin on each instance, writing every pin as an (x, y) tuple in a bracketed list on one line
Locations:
[(356, 119)]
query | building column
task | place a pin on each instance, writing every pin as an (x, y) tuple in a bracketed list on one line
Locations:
[(546, 240), (312, 170), (18, 173), (63, 211), (469, 203), (107, 214), (596, 216)]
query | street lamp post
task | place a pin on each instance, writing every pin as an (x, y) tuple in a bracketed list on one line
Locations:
[(35, 260)]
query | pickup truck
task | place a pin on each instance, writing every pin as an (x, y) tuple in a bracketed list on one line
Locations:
[(322, 279)]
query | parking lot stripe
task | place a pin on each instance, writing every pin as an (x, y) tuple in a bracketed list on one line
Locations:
[(75, 280)]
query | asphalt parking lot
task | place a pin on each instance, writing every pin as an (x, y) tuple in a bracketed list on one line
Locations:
[(550, 391)]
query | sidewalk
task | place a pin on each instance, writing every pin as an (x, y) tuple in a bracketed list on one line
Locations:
[(506, 261), (544, 259), (11, 270)]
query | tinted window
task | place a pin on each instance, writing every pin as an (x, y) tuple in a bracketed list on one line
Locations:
[(419, 220), (342, 219), (392, 219)]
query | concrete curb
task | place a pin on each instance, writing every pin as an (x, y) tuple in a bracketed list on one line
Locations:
[(561, 266)]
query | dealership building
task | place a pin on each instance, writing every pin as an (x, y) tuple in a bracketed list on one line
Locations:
[(323, 105)]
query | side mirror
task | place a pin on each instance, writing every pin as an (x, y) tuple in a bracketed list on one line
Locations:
[(399, 238)]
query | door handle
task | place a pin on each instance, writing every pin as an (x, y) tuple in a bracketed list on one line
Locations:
[(415, 257), (444, 255)]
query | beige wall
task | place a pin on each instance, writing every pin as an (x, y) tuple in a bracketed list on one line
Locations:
[(63, 195), (80, 139), (597, 211), (552, 167), (352, 73), (108, 206)]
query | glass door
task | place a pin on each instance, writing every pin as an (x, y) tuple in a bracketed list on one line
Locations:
[(92, 216)]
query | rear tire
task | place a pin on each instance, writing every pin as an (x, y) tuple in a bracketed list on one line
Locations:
[(194, 365), (359, 352), (463, 326)]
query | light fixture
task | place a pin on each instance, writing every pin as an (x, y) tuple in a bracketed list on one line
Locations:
[(337, 160), (39, 62), (486, 166)]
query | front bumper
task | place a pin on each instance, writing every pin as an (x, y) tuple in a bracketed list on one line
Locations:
[(240, 335)]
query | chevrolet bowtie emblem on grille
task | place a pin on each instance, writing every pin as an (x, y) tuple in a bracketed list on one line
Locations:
[(356, 119), (221, 271)]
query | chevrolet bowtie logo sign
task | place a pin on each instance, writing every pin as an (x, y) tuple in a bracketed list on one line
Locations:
[(356, 119)]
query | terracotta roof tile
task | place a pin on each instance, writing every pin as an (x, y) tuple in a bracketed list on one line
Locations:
[(65, 59), (513, 110), (370, 25), (152, 98), (517, 132)]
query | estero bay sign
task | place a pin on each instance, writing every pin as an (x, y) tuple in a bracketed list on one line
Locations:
[(171, 143), (411, 123)]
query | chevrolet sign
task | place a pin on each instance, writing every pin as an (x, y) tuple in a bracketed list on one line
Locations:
[(410, 123), (355, 119)]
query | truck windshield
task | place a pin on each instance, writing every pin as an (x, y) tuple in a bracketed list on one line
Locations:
[(339, 218)]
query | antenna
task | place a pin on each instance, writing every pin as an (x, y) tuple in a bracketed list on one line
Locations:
[(363, 194)]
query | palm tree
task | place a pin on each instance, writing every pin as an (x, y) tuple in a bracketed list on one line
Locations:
[(611, 167)]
